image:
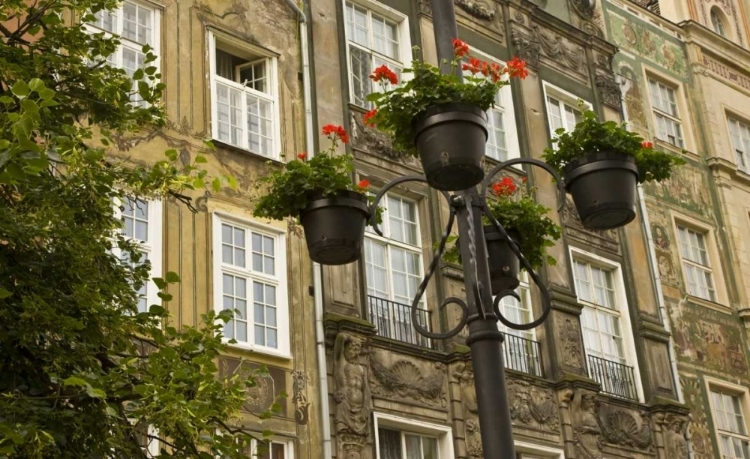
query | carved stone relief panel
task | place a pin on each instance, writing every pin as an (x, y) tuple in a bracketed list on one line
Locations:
[(607, 239), (464, 376), (485, 16), (608, 90), (586, 431), (673, 428), (570, 346), (660, 372), (397, 378), (268, 385), (625, 428), (299, 397), (700, 433), (532, 406), (352, 396)]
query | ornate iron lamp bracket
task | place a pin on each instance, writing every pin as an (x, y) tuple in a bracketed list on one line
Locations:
[(457, 201)]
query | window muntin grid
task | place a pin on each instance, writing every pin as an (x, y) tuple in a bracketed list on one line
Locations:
[(600, 318), (730, 425), (696, 263), (396, 444), (135, 216), (372, 41), (717, 24), (562, 115), (249, 276), (666, 113), (740, 133), (136, 25)]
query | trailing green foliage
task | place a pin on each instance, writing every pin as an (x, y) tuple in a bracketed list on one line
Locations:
[(523, 219), (592, 136), (83, 372)]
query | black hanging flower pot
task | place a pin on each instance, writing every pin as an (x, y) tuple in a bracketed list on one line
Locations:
[(450, 139), (603, 189), (335, 226), (504, 265)]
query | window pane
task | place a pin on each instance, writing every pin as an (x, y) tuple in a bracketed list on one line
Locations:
[(389, 444), (413, 447), (360, 67)]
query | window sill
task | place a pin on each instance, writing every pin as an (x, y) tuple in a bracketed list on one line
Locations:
[(709, 304), (258, 350), (236, 149), (674, 148)]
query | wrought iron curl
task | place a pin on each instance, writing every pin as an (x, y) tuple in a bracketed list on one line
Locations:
[(546, 300), (433, 265)]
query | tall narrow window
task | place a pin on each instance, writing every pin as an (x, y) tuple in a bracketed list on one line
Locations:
[(717, 23), (666, 113), (244, 98), (136, 25), (372, 40), (730, 424), (251, 279), (696, 263), (141, 224), (601, 322), (741, 142), (394, 270)]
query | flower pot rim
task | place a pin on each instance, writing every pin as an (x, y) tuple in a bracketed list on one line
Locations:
[(492, 234), (598, 161), (450, 111), (342, 198)]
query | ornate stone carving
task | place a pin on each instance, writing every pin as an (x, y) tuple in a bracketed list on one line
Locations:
[(352, 397), (259, 397), (557, 50), (373, 141), (299, 396), (527, 47), (609, 90), (477, 8), (606, 239), (519, 18), (404, 379), (624, 428), (586, 429), (584, 8), (464, 375), (569, 336), (674, 436), (533, 406)]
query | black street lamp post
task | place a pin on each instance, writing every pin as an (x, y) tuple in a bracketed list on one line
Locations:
[(479, 311)]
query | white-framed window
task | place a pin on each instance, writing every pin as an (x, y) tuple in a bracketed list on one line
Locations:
[(520, 350), (142, 225), (730, 421), (137, 25), (244, 96), (502, 138), (250, 279), (147, 437), (401, 438), (394, 269), (533, 451), (717, 23), (696, 262), (269, 450), (740, 133), (562, 109), (666, 112), (375, 35), (605, 325)]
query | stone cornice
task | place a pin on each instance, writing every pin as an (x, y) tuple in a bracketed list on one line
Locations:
[(710, 42)]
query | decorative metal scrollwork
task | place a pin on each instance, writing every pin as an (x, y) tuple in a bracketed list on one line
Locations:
[(456, 201)]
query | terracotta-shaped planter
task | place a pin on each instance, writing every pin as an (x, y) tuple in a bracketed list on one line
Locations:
[(450, 140), (603, 186), (504, 265), (335, 227)]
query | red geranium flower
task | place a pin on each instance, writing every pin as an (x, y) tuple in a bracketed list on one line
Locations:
[(368, 116), (335, 132), (363, 184), (495, 72), (647, 144), (383, 72), (460, 48), (504, 187), (517, 68), (474, 66), (302, 156)]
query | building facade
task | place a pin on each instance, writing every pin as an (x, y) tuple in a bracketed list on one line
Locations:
[(685, 66)]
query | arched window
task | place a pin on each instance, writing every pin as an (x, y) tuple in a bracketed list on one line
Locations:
[(717, 22)]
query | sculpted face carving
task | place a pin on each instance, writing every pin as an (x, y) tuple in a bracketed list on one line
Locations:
[(352, 396)]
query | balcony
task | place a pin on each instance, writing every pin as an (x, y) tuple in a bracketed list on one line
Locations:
[(521, 354), (393, 320), (616, 379)]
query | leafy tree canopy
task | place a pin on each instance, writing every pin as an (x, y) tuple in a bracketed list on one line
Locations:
[(81, 371)]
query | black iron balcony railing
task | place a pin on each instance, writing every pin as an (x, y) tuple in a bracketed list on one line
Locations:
[(522, 354), (616, 379), (393, 320)]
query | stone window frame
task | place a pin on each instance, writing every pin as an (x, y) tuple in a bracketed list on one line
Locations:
[(731, 389), (283, 350), (443, 433), (527, 450), (152, 248), (564, 97), (722, 296), (287, 445), (270, 60), (623, 308), (504, 106), (684, 117), (740, 120), (719, 20), (404, 40)]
